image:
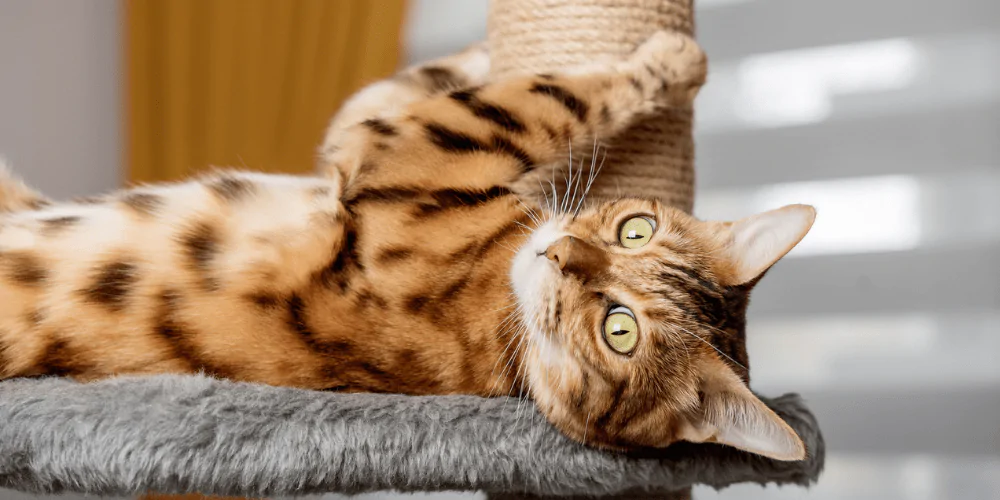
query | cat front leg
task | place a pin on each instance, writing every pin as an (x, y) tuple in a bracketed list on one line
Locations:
[(483, 138), (389, 97)]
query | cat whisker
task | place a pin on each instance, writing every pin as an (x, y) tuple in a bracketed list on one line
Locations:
[(559, 206), (509, 320), (531, 351), (696, 324), (503, 373), (503, 376), (530, 215), (683, 343), (530, 212), (513, 303), (552, 184), (500, 328), (504, 323), (506, 246), (593, 175), (593, 158), (516, 316), (513, 358), (498, 383), (521, 377), (571, 184), (568, 179), (534, 211), (546, 207), (536, 219), (575, 185), (499, 359), (712, 346), (710, 327), (723, 332), (594, 172), (578, 185), (504, 308), (513, 377)]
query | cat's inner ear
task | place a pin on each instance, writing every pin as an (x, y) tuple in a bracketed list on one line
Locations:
[(732, 415), (754, 244)]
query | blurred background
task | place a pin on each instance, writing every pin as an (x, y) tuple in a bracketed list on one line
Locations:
[(885, 114)]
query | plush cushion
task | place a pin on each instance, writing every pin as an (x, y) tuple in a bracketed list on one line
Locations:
[(175, 434)]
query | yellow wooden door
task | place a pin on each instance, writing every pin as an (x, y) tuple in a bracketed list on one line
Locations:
[(245, 83)]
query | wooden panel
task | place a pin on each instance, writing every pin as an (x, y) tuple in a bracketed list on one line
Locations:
[(245, 83)]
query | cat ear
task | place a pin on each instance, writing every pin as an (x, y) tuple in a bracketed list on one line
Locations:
[(755, 243), (732, 415)]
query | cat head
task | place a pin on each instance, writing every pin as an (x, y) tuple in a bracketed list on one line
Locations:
[(635, 313)]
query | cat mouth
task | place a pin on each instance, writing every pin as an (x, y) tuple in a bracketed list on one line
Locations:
[(532, 273)]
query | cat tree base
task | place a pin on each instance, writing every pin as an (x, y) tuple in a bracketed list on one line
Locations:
[(684, 494), (176, 434)]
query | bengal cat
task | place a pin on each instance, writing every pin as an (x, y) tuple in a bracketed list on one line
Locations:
[(415, 267)]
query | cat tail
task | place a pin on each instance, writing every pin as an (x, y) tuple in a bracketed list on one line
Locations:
[(15, 195)]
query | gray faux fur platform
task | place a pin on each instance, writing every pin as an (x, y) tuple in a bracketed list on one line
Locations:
[(175, 434)]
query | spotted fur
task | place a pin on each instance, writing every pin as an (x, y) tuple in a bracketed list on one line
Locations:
[(393, 272)]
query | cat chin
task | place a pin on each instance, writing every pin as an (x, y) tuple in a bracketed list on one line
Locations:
[(535, 280)]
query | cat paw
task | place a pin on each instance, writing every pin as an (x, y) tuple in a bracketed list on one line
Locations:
[(473, 62), (669, 68)]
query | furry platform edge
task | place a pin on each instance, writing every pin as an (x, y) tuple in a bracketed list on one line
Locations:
[(178, 434)]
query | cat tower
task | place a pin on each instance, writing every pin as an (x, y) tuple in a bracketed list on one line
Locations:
[(181, 434), (654, 158)]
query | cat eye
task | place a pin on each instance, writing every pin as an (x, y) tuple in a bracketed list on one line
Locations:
[(636, 232), (620, 329)]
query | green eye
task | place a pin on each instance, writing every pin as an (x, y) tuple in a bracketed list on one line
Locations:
[(636, 232), (620, 330)]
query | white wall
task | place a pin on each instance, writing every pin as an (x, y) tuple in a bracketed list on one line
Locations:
[(59, 100), (436, 28), (60, 68)]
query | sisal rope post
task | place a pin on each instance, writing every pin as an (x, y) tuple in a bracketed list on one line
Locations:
[(656, 157)]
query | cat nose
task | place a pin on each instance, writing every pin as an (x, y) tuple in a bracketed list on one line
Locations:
[(576, 256)]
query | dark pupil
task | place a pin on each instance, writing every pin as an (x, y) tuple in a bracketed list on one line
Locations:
[(636, 237), (620, 332)]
